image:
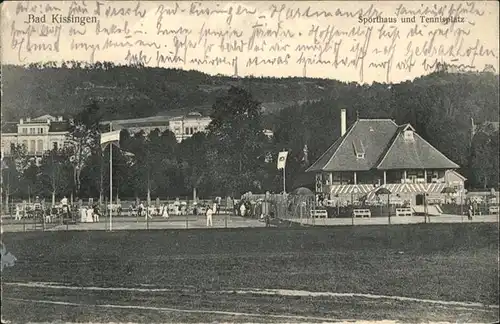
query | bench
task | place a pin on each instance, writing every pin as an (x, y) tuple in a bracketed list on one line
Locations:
[(404, 212), (362, 213), (319, 213)]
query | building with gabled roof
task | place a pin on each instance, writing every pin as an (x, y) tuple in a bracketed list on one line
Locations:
[(183, 126), (375, 153), (37, 135)]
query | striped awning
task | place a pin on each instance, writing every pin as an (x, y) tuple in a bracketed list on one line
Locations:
[(394, 188), (349, 189), (410, 188)]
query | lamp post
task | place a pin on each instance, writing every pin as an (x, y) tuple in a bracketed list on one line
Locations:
[(425, 208), (389, 207), (354, 191)]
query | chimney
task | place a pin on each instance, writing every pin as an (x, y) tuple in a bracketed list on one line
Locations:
[(342, 122), (21, 121)]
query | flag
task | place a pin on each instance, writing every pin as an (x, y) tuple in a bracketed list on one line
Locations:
[(282, 160), (110, 137), (305, 156)]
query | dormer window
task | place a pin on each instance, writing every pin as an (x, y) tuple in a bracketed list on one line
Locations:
[(408, 135), (359, 149)]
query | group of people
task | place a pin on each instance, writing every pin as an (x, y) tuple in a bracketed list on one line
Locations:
[(90, 214), (140, 210), (262, 210), (40, 210)]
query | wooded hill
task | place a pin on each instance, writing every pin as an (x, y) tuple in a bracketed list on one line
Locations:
[(133, 92), (440, 105)]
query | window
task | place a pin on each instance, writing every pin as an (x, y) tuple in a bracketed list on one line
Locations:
[(32, 145), (408, 134), (25, 131), (32, 131), (40, 146), (359, 149), (336, 178), (25, 144), (41, 130)]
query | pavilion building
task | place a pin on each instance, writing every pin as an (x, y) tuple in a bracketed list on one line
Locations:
[(378, 153)]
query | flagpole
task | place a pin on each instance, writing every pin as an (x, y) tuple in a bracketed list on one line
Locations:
[(284, 179), (284, 176), (1, 186), (110, 180)]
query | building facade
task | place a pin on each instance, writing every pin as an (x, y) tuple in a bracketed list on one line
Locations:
[(134, 126), (186, 126), (378, 153), (183, 126), (37, 135)]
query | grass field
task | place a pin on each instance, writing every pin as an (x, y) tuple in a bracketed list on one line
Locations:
[(448, 272)]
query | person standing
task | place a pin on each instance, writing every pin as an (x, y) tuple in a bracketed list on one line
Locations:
[(65, 207), (90, 215), (209, 217), (242, 210), (140, 209), (18, 212), (37, 208), (165, 211), (96, 213), (64, 202)]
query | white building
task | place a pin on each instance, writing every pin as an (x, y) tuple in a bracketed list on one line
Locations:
[(38, 135), (147, 125), (185, 126)]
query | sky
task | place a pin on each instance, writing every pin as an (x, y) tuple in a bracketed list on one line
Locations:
[(384, 41)]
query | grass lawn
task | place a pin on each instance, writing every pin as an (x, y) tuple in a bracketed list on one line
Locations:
[(203, 269)]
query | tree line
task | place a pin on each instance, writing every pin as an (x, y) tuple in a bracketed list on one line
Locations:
[(231, 158), (234, 156)]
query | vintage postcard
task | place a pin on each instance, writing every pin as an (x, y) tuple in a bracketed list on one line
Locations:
[(249, 161)]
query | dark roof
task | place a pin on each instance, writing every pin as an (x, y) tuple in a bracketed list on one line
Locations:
[(302, 191), (151, 123), (368, 136), (59, 127), (415, 154), (384, 148), (9, 127)]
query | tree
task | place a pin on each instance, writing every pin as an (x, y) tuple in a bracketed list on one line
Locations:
[(56, 172), (237, 143), (84, 138), (193, 162), (18, 165), (484, 159)]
